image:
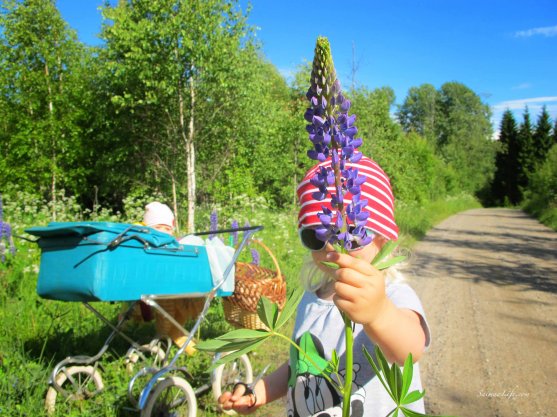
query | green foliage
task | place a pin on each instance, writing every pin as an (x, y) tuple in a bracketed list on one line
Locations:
[(418, 111), (541, 196), (40, 94), (396, 382), (526, 150), (542, 136), (505, 185)]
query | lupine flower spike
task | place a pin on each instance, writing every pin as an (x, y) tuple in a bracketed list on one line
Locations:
[(214, 224), (234, 235), (332, 133), (5, 235)]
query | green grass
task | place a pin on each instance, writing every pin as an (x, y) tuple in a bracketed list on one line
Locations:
[(36, 333)]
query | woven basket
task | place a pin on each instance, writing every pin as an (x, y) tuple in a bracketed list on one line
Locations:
[(252, 282)]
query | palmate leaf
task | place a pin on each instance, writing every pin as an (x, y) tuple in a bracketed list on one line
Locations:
[(236, 354), (289, 307), (378, 372), (267, 312), (413, 397), (243, 334), (407, 375)]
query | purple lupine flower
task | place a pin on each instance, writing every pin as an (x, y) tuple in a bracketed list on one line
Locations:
[(255, 258), (214, 224), (5, 234), (234, 225), (332, 133)]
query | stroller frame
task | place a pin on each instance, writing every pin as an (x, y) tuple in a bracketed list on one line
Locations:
[(158, 375)]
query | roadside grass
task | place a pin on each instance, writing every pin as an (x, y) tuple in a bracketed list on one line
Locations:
[(36, 333)]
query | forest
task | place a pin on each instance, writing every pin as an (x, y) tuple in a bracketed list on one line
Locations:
[(180, 103)]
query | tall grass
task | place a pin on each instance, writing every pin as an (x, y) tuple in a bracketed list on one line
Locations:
[(38, 333)]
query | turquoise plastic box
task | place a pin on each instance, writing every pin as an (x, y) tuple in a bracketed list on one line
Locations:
[(103, 261)]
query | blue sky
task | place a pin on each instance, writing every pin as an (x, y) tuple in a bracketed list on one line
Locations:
[(504, 50)]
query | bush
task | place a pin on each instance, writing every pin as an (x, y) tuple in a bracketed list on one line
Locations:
[(541, 195)]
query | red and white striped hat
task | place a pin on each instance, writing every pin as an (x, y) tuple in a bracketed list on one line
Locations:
[(376, 189)]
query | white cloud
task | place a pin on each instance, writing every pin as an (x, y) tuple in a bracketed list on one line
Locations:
[(546, 31), (522, 86), (522, 103), (534, 104)]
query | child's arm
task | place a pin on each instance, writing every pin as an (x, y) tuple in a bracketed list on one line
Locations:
[(270, 388), (360, 293)]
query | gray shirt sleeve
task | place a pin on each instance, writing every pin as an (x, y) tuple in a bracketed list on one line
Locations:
[(403, 296)]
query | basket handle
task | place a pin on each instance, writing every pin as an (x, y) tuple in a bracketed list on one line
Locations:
[(279, 274)]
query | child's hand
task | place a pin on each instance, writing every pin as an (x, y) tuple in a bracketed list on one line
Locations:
[(359, 288), (237, 401)]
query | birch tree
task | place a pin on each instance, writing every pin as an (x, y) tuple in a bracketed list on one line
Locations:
[(163, 53)]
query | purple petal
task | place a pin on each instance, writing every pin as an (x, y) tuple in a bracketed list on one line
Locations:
[(362, 216), (356, 157), (354, 190), (351, 131), (318, 121), (319, 196), (312, 154), (321, 157), (356, 143), (325, 219), (345, 106), (322, 234)]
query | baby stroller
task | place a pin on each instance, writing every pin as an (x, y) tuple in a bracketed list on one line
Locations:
[(107, 262)]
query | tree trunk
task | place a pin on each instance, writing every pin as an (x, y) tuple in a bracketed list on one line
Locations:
[(188, 136), (53, 144), (191, 161)]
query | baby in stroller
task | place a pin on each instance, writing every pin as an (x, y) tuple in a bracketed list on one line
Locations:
[(160, 217)]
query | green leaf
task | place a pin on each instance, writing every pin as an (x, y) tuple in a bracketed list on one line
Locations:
[(384, 365), (407, 375), (377, 372), (385, 251), (210, 345), (290, 307), (331, 265), (243, 334), (390, 262), (234, 355), (267, 312), (410, 413), (413, 397), (397, 381), (216, 345)]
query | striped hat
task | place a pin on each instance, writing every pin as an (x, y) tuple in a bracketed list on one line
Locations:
[(376, 189)]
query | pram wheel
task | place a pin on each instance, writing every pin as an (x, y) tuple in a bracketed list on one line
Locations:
[(78, 383), (150, 355), (172, 396), (226, 376)]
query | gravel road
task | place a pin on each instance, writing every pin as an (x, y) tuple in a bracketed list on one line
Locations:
[(488, 282)]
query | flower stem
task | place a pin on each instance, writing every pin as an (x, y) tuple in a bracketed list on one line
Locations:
[(349, 366)]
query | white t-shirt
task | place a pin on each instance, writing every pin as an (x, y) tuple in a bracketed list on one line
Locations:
[(319, 329)]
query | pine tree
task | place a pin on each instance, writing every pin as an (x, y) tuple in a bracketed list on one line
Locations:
[(526, 150), (542, 136), (505, 183)]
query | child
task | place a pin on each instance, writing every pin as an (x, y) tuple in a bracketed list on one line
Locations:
[(386, 312), (160, 217)]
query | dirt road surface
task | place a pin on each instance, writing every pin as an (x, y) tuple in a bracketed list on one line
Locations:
[(488, 282)]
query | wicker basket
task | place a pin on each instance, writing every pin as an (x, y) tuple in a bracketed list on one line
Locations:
[(181, 309), (252, 282)]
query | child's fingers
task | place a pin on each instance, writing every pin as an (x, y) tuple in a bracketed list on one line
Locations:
[(347, 261), (347, 291)]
